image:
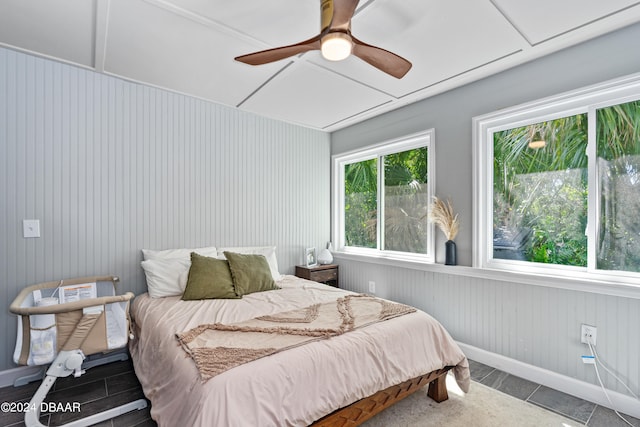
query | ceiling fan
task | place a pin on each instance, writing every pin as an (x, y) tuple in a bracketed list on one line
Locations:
[(336, 43)]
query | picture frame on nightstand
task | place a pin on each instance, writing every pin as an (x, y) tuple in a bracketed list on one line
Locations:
[(310, 257)]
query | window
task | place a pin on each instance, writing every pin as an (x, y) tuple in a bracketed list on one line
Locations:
[(382, 196), (618, 183), (540, 192), (557, 186)]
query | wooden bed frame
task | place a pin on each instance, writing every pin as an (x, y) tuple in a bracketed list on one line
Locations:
[(360, 411)]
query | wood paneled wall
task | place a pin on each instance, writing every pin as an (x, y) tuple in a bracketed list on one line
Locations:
[(537, 325), (110, 167)]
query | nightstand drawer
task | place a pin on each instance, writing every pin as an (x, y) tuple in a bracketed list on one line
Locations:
[(324, 275)]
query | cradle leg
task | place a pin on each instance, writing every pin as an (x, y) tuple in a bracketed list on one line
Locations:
[(67, 363), (32, 416), (108, 414)]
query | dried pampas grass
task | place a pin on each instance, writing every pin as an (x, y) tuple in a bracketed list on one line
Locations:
[(441, 214)]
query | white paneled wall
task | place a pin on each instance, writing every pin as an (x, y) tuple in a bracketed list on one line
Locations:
[(110, 167), (536, 325)]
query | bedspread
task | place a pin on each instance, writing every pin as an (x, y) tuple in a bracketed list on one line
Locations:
[(218, 347), (293, 387)]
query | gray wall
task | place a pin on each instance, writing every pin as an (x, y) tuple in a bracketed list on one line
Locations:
[(110, 167), (532, 324)]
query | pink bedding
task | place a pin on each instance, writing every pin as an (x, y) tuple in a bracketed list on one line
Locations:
[(291, 388)]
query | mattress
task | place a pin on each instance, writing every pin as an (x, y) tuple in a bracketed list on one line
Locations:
[(292, 388)]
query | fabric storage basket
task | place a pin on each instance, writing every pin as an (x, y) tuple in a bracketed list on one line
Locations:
[(83, 313)]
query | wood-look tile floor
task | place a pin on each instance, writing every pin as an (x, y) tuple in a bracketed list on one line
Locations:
[(111, 385), (100, 388)]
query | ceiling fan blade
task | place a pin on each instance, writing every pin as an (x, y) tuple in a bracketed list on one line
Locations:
[(278, 53), (383, 60), (343, 11)]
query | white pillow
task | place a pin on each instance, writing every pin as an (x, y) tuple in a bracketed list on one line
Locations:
[(178, 253), (269, 253), (166, 277)]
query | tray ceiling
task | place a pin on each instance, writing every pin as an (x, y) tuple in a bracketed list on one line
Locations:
[(188, 46)]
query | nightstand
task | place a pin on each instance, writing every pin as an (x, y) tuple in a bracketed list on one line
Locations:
[(327, 273)]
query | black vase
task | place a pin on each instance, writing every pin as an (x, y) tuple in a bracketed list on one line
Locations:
[(450, 252)]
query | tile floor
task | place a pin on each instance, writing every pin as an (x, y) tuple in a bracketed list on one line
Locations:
[(100, 388), (571, 407), (111, 385)]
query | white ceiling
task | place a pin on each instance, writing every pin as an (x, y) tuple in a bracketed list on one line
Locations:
[(188, 46)]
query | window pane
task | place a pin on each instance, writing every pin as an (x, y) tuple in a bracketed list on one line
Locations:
[(540, 192), (618, 146), (406, 201), (360, 204)]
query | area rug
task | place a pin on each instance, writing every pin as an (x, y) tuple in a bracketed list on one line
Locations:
[(481, 407)]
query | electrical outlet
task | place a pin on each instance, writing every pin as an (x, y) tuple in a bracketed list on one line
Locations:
[(588, 332), (30, 228), (372, 287)]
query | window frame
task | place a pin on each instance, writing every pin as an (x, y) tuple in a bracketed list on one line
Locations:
[(423, 139), (585, 100)]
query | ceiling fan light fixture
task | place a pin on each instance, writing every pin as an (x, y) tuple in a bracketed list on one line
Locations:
[(335, 43), (336, 46)]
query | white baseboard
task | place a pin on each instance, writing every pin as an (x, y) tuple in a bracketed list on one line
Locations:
[(587, 391)]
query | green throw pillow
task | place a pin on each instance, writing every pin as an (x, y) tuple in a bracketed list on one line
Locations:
[(209, 278), (250, 273)]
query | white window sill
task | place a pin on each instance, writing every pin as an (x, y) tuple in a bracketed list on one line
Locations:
[(603, 287)]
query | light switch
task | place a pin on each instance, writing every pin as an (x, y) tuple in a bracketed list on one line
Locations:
[(31, 228)]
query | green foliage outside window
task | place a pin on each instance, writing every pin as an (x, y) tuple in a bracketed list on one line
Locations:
[(360, 204), (406, 201), (618, 130), (540, 194)]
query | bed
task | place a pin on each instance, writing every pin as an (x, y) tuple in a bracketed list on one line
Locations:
[(322, 381)]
